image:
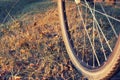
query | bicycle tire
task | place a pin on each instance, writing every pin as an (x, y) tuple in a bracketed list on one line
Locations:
[(102, 73)]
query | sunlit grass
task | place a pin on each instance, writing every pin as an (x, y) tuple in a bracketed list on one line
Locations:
[(32, 47)]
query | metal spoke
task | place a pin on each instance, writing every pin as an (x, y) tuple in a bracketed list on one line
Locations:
[(8, 12), (84, 34), (84, 25), (93, 37), (98, 26), (10, 16), (103, 50), (111, 17), (109, 21)]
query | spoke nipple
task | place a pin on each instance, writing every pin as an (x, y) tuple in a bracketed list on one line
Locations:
[(77, 1)]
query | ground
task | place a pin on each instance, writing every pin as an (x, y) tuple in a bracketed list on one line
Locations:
[(31, 43), (32, 49)]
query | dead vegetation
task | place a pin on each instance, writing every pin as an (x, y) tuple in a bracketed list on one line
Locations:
[(32, 49)]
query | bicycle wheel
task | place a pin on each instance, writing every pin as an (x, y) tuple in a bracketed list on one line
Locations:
[(91, 35)]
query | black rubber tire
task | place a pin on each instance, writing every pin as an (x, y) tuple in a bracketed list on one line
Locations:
[(102, 73)]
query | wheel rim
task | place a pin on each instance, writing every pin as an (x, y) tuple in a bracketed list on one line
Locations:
[(94, 36)]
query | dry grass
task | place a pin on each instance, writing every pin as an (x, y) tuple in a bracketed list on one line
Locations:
[(32, 49)]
